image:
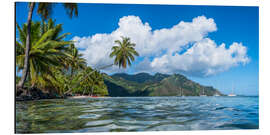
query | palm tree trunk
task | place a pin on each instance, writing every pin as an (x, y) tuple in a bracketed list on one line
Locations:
[(107, 66), (92, 91), (83, 92), (71, 74), (43, 26), (27, 47)]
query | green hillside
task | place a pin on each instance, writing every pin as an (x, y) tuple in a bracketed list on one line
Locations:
[(143, 84)]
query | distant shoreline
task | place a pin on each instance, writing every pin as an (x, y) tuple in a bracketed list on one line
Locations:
[(98, 97)]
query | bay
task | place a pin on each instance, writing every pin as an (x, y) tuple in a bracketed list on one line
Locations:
[(113, 114)]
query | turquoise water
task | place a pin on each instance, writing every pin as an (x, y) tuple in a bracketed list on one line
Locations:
[(137, 114)]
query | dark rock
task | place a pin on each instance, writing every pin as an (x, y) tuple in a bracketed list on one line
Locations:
[(19, 92), (33, 93)]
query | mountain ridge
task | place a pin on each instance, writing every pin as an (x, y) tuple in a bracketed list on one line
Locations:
[(144, 84)]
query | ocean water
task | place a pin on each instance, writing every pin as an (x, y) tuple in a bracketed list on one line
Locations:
[(137, 114)]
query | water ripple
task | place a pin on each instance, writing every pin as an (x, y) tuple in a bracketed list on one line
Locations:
[(137, 114)]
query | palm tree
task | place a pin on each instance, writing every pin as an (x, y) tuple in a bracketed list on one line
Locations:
[(45, 10), (73, 63), (90, 82), (124, 53), (47, 51), (75, 60), (97, 81)]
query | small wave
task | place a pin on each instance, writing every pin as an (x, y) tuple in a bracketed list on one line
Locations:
[(137, 114), (240, 126)]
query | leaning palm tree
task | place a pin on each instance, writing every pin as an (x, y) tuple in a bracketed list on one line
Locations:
[(124, 52), (47, 51), (45, 10), (97, 81), (89, 82)]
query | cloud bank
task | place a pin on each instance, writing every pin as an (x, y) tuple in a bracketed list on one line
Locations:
[(183, 48)]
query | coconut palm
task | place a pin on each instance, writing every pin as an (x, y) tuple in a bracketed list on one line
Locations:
[(75, 60), (124, 52), (61, 83), (44, 10), (73, 64), (47, 51), (97, 83), (90, 82)]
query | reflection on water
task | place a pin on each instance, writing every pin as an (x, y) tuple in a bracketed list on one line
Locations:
[(137, 114)]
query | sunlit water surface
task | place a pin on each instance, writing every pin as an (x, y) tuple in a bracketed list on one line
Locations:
[(137, 114)]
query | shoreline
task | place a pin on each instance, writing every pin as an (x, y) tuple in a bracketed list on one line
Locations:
[(29, 98), (82, 97), (79, 97)]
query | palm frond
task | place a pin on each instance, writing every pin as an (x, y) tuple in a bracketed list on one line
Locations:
[(123, 52), (71, 8)]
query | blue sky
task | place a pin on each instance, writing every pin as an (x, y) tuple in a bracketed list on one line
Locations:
[(228, 25)]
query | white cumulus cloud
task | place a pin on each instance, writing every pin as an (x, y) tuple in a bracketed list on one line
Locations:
[(202, 59), (161, 49)]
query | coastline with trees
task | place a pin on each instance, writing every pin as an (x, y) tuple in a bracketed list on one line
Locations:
[(129, 68), (52, 67), (56, 69)]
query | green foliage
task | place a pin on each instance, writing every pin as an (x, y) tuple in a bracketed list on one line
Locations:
[(56, 64), (90, 82), (143, 84), (124, 53), (18, 79), (44, 9), (140, 77), (75, 60), (47, 51), (61, 83)]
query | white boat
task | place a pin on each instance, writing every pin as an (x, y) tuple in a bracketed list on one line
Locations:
[(232, 94), (203, 95), (216, 95)]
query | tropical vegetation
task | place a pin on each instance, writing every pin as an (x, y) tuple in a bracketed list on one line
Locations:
[(44, 10), (144, 84), (46, 61), (55, 64), (47, 50)]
